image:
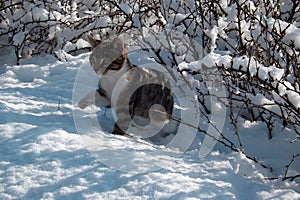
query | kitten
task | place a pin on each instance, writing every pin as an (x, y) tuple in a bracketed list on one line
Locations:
[(109, 60)]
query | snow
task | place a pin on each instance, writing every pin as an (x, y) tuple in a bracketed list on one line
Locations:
[(81, 43), (276, 73), (103, 21), (40, 14), (42, 156), (125, 8), (294, 97), (213, 34), (19, 38)]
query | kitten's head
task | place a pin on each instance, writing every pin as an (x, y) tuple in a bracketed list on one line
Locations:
[(107, 57)]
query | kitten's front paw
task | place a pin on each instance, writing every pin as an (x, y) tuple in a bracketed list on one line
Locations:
[(85, 102)]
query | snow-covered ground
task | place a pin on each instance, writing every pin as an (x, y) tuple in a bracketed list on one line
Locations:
[(43, 157)]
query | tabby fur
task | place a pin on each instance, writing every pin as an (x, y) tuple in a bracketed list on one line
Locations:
[(110, 61)]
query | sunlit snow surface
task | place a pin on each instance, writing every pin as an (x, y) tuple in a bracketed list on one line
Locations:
[(43, 157)]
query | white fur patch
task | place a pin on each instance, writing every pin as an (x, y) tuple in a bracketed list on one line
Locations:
[(109, 80)]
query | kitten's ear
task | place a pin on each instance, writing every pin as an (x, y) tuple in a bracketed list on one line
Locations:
[(93, 41), (118, 45)]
